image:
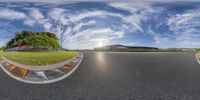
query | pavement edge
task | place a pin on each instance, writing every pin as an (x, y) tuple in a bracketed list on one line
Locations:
[(198, 60), (48, 81)]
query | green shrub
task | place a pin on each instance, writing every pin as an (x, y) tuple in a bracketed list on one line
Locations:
[(35, 40), (173, 50), (3, 48), (197, 50)]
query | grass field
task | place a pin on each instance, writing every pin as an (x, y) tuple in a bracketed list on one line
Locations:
[(38, 58)]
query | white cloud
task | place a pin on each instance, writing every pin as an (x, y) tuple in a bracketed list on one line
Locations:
[(29, 22), (185, 26), (56, 13), (80, 25), (134, 19), (189, 19), (76, 33), (135, 22), (72, 29), (11, 14), (189, 38), (47, 26), (37, 15), (73, 23), (160, 40), (3, 42), (93, 27), (86, 14), (70, 1), (139, 12), (100, 35), (94, 37)]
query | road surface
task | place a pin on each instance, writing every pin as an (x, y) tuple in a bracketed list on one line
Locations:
[(108, 76)]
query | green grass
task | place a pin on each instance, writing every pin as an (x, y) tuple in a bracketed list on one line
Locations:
[(198, 50), (38, 58)]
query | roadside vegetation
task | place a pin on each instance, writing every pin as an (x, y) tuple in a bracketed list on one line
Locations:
[(173, 50), (179, 50), (34, 40), (2, 48), (198, 50), (38, 58), (20, 49)]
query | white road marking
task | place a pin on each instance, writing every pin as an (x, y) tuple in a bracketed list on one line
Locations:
[(41, 74), (198, 60)]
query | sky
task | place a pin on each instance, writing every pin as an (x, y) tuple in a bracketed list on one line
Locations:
[(86, 25)]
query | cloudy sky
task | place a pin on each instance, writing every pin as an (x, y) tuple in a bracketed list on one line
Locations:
[(93, 24)]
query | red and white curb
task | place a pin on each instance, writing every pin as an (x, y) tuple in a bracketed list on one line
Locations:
[(45, 81), (197, 57)]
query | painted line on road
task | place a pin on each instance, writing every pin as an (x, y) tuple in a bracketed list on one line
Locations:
[(197, 57), (47, 81)]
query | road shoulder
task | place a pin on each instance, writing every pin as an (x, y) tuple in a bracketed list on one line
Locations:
[(198, 57), (42, 76)]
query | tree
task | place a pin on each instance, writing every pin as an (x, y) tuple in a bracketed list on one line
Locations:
[(198, 50), (3, 48), (35, 40)]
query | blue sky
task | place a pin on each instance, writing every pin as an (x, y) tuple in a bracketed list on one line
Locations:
[(95, 24)]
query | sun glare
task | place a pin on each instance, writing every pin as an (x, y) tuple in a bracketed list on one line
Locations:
[(100, 44)]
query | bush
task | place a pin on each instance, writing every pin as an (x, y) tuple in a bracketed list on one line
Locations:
[(3, 48), (173, 50), (34, 40), (197, 50)]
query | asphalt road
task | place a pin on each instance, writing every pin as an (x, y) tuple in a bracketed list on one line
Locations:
[(105, 76)]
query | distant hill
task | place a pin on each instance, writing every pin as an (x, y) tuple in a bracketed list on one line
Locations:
[(119, 47)]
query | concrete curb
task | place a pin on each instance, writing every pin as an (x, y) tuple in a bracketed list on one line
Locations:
[(198, 60), (42, 67), (47, 81)]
